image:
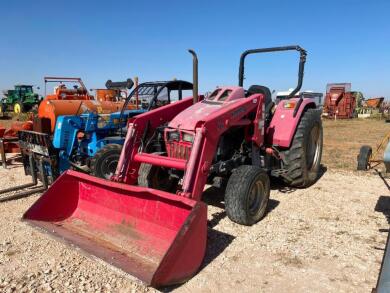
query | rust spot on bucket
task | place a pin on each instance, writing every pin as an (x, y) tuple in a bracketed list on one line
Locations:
[(128, 229)]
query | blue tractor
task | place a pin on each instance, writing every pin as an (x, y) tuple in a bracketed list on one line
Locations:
[(92, 142)]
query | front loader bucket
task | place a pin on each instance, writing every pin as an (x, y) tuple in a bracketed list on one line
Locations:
[(156, 236)]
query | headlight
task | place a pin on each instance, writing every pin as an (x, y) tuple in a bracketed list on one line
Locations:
[(289, 104), (173, 135), (188, 137)]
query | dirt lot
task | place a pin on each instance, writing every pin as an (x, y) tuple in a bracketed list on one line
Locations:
[(322, 239), (6, 121), (343, 139)]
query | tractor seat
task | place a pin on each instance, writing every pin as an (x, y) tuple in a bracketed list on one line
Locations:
[(259, 89)]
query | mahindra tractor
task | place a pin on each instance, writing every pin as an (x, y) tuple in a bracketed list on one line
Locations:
[(149, 219)]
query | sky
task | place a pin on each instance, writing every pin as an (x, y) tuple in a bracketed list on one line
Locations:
[(346, 41)]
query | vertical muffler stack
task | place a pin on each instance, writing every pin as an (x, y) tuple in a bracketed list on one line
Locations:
[(156, 236)]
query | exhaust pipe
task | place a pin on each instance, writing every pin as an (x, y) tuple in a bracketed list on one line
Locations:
[(194, 75)]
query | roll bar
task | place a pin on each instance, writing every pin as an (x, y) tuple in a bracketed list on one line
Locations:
[(302, 61)]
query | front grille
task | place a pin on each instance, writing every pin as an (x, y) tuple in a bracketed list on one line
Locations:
[(179, 150)]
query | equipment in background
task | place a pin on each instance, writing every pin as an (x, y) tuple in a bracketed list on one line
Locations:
[(67, 88), (91, 142), (9, 139), (340, 102), (369, 159), (157, 230), (371, 108), (61, 103), (19, 100), (53, 109), (115, 91)]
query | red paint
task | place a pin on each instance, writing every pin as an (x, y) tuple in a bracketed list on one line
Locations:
[(339, 101), (160, 161), (10, 136), (283, 124), (157, 236), (154, 235)]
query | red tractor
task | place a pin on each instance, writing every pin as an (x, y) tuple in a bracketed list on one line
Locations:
[(157, 230)]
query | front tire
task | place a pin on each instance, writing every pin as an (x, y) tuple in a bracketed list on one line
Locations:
[(104, 162), (247, 194), (156, 177), (302, 161)]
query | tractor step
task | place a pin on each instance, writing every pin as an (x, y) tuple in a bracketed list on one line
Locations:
[(279, 172)]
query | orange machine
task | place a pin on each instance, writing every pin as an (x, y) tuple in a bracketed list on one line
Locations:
[(77, 100), (374, 102), (63, 92), (51, 109), (107, 95), (114, 90), (9, 139)]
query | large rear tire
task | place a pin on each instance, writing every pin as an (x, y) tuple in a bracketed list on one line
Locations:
[(302, 161), (104, 162), (363, 158), (247, 195)]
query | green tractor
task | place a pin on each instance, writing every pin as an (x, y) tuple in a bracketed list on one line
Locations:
[(19, 100)]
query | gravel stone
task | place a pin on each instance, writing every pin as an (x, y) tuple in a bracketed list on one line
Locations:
[(321, 239)]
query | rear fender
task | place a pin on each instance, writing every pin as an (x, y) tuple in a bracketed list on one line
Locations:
[(283, 124)]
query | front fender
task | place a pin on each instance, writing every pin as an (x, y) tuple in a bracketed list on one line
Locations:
[(283, 125)]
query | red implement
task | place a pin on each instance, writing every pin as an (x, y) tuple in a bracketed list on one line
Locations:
[(156, 236)]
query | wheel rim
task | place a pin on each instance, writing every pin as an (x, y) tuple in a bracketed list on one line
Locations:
[(313, 148), (109, 166), (17, 108), (255, 199)]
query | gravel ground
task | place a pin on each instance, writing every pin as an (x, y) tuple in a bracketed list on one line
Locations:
[(322, 239)]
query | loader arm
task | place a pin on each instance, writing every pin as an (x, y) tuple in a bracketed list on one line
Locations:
[(127, 169), (209, 132)]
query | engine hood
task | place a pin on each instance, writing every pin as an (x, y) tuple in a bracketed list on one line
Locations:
[(189, 118), (217, 101)]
